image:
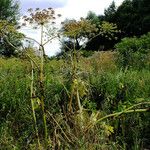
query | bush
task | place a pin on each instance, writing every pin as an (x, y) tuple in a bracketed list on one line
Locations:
[(134, 52), (117, 91)]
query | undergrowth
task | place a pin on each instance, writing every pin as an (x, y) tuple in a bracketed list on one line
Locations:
[(103, 91)]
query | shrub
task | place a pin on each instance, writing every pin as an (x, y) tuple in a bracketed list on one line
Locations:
[(117, 91), (134, 52)]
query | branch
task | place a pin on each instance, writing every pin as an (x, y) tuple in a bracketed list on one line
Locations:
[(20, 50), (50, 40), (142, 103), (126, 111), (59, 126), (33, 61), (33, 40), (89, 40), (11, 44), (41, 46)]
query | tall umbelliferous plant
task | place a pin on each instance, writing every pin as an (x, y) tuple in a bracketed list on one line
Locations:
[(39, 19), (83, 122), (85, 31), (75, 30)]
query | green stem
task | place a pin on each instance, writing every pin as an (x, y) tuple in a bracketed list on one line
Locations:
[(78, 101), (59, 127), (44, 119), (32, 104), (42, 87), (122, 112), (118, 114)]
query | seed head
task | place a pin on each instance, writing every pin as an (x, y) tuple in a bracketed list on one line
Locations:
[(40, 17)]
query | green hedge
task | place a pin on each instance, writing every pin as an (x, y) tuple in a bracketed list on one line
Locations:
[(134, 52)]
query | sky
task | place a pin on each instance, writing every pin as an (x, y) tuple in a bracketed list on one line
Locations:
[(71, 9)]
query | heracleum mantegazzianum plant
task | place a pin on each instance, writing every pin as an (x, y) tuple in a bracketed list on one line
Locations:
[(83, 29), (75, 29), (41, 19)]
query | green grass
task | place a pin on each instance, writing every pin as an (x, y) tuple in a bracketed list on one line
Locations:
[(103, 87)]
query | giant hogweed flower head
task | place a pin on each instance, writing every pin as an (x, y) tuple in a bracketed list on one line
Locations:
[(43, 19), (40, 16), (82, 27), (109, 30)]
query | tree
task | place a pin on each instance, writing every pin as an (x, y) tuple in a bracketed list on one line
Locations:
[(9, 13), (110, 13), (126, 18), (93, 18), (133, 17), (9, 10), (142, 8), (106, 37)]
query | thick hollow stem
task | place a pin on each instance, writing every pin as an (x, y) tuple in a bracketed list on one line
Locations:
[(32, 105), (42, 87)]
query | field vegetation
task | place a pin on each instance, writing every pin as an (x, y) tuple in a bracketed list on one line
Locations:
[(80, 99), (103, 90)]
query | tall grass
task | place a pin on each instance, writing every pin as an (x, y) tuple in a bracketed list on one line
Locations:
[(104, 90)]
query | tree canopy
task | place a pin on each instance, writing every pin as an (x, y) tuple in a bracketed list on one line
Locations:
[(9, 13), (132, 17), (9, 10)]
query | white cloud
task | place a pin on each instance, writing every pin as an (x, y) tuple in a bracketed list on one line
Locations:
[(79, 8)]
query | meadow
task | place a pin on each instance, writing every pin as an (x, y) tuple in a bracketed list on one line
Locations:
[(113, 112), (93, 95)]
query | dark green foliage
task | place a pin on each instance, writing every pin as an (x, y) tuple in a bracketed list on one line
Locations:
[(15, 122), (9, 11), (110, 13), (125, 18), (135, 135), (132, 17), (134, 52), (118, 91)]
